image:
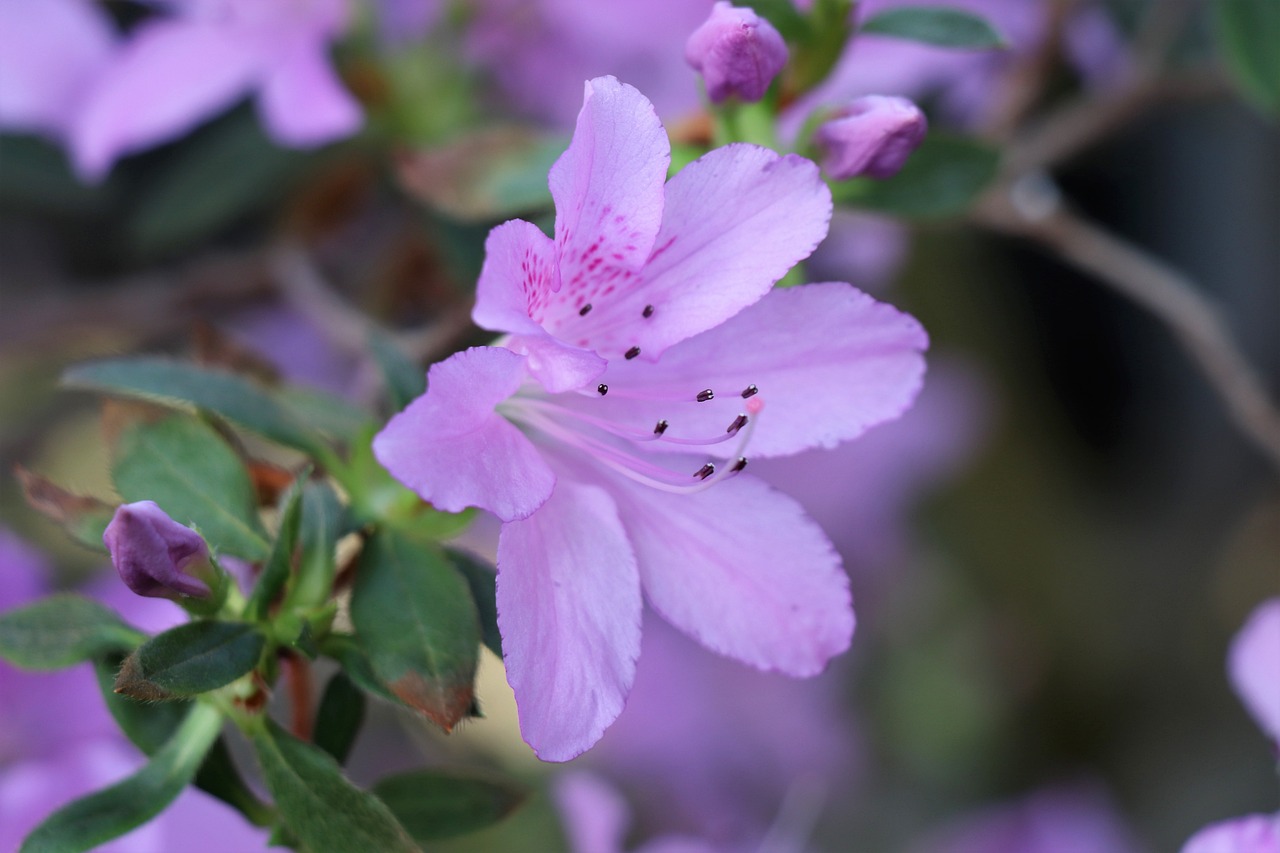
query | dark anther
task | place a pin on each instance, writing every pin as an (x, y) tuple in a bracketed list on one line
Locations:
[(750, 391), (738, 423), (584, 310), (603, 389), (705, 395), (631, 353), (739, 465), (705, 471), (648, 311), (660, 427)]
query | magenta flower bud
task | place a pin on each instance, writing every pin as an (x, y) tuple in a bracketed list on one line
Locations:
[(155, 555), (873, 136), (737, 52)]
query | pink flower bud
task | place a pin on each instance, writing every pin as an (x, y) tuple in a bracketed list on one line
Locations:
[(873, 136), (156, 555), (737, 52)]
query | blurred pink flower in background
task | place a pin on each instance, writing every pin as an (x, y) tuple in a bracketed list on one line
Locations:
[(711, 748), (1066, 819), (66, 73), (59, 742), (50, 53), (540, 51), (1253, 665)]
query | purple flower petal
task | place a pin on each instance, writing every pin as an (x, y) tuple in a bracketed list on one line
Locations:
[(1254, 667), (50, 52), (569, 612), (302, 102), (451, 448), (608, 192), (520, 274), (595, 815), (736, 220), (743, 570), (170, 77), (1250, 834), (829, 362)]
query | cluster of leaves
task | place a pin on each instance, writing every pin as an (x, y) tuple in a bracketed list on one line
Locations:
[(403, 617)]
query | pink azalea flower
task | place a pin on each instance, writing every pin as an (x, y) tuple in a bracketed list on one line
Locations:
[(596, 820), (176, 72), (50, 52), (1254, 666), (648, 329)]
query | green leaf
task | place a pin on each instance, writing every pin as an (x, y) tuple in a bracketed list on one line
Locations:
[(942, 178), (63, 630), (279, 566), (324, 413), (191, 659), (323, 521), (37, 177), (482, 580), (180, 204), (84, 518), (175, 383), (784, 16), (937, 25), (339, 717), (418, 624), (149, 725), (489, 174), (438, 804), (403, 379), (346, 650), (1249, 36), (325, 811), (114, 811), (193, 474)]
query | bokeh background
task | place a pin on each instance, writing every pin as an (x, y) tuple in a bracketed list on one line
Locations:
[(1049, 554)]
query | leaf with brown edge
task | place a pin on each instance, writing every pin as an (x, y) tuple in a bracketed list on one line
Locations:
[(84, 517), (418, 625)]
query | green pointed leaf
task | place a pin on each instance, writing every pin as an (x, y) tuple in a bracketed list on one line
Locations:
[(175, 383), (1249, 36), (403, 379), (339, 717), (193, 658), (149, 725), (482, 579), (437, 804), (937, 25), (942, 178), (485, 175), (784, 16), (323, 521), (114, 811), (279, 566), (346, 650), (331, 416), (317, 803), (63, 630), (84, 518), (418, 624), (193, 474)]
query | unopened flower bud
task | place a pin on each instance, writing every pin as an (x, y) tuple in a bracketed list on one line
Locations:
[(737, 52), (156, 556), (873, 136)]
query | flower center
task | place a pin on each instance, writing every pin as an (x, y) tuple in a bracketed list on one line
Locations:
[(621, 447)]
